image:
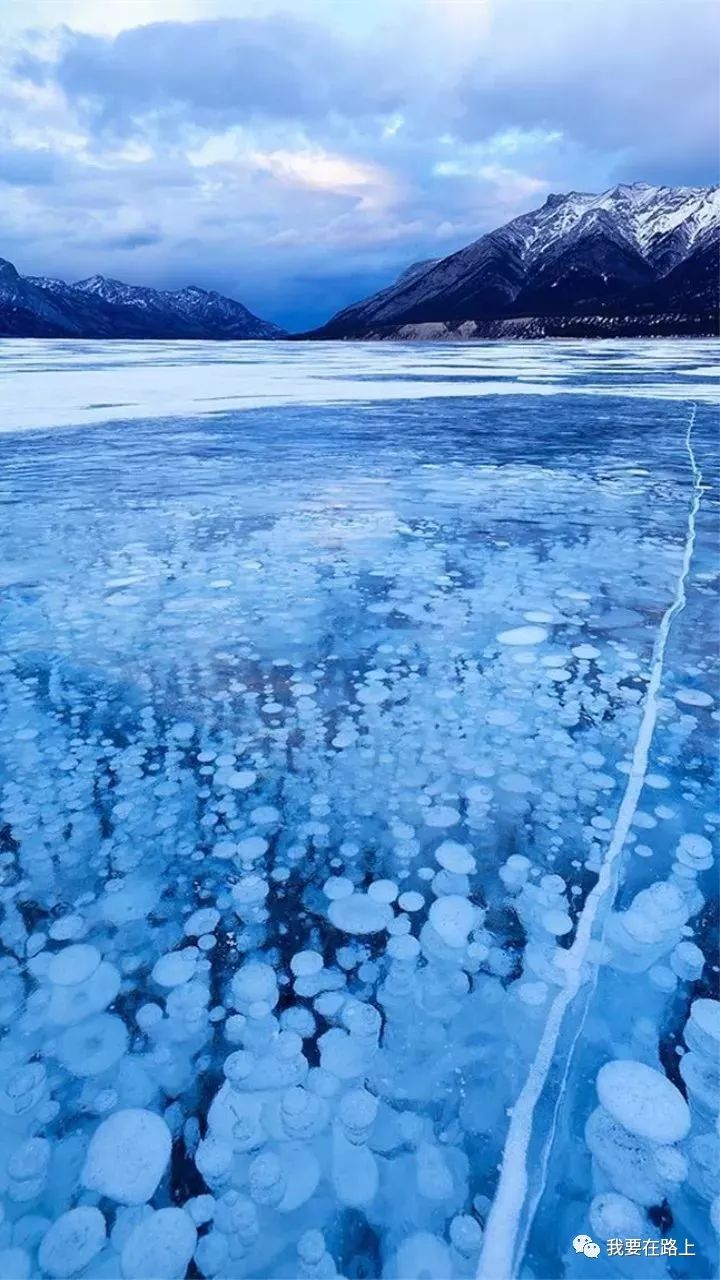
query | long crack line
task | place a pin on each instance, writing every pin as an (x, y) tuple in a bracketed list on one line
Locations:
[(506, 1233)]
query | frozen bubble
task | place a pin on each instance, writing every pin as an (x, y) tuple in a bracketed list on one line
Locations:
[(538, 615), (421, 1256), (148, 1015), (687, 961), (241, 779), (441, 816), (249, 895), (532, 993), (359, 914), (643, 1101), (704, 1026), (311, 1248), (372, 694), (383, 890), (73, 964), (72, 1242), (66, 927), (160, 1247), (305, 963), (266, 1179), (403, 947), (299, 1019), (205, 920), (411, 901), (613, 1216), (478, 793), (695, 851), (556, 922), (693, 698), (455, 857), (129, 900), (452, 917), (175, 968), (357, 1111), (201, 1209), (183, 730), (251, 847), (657, 782), (501, 717), (127, 1156), (265, 815), (92, 1046), (586, 652), (254, 982), (15, 1263), (338, 887), (523, 636), (466, 1234), (328, 1004), (516, 783), (70, 1004), (27, 1168), (515, 871)]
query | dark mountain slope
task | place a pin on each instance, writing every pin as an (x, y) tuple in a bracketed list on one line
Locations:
[(635, 259), (38, 307)]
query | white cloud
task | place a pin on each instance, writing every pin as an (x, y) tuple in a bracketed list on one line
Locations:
[(108, 17), (320, 170)]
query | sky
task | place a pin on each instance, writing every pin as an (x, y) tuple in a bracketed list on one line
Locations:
[(299, 154)]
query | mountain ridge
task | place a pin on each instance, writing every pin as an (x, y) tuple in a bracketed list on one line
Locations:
[(102, 307), (580, 262)]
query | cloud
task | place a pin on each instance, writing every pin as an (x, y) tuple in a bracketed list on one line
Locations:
[(278, 66), (132, 240), (30, 167), (298, 159), (636, 80)]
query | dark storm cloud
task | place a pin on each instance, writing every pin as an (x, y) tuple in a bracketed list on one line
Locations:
[(132, 240)]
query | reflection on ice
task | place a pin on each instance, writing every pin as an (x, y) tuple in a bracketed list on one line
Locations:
[(318, 731)]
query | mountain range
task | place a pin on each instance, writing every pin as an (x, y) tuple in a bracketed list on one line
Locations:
[(38, 307), (635, 260)]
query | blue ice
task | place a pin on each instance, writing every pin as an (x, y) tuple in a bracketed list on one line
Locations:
[(359, 813)]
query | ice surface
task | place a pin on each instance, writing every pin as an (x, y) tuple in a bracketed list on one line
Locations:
[(68, 384), (359, 811)]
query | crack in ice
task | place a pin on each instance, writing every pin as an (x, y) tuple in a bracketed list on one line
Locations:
[(504, 1226)]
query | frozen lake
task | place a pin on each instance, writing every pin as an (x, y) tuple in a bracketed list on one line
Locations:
[(358, 725)]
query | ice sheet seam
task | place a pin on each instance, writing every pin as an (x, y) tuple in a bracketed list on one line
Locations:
[(504, 1225)]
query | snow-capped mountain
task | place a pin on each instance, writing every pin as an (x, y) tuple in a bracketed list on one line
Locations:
[(600, 257), (36, 306)]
